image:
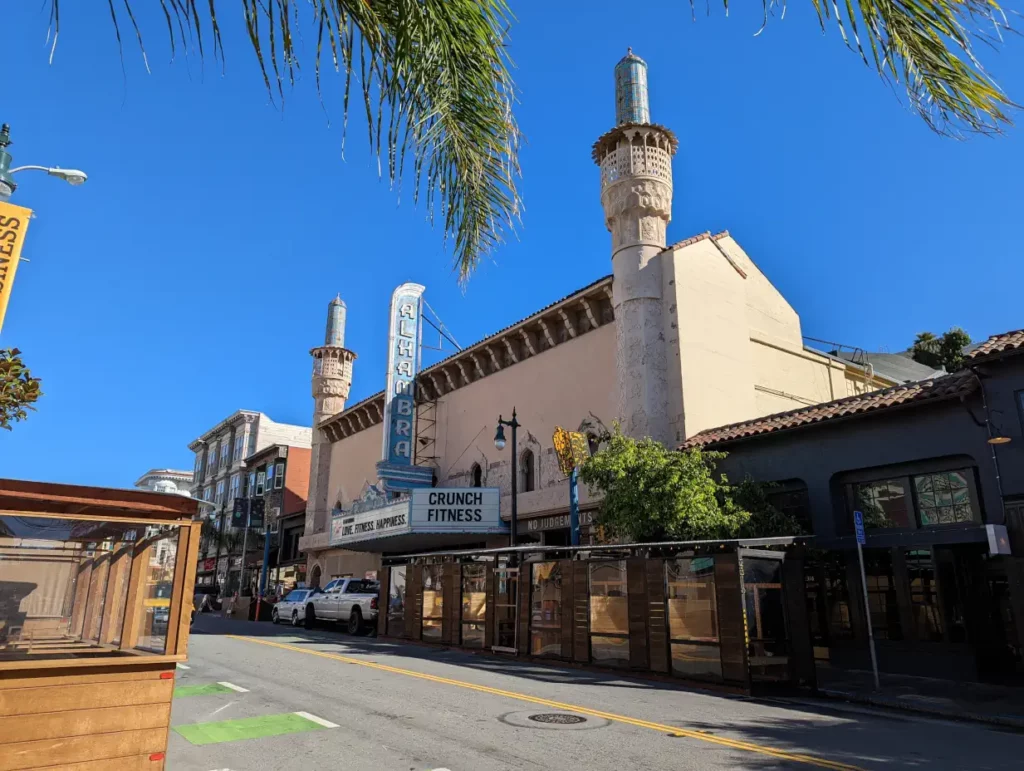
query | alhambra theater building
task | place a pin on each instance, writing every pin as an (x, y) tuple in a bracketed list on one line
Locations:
[(676, 339)]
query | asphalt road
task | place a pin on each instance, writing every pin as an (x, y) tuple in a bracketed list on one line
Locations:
[(379, 706)]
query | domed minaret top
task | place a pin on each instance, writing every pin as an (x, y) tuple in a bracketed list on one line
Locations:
[(336, 313), (631, 105)]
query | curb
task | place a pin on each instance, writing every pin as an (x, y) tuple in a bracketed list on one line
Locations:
[(1015, 723)]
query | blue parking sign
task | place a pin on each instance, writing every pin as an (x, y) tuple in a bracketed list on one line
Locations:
[(858, 526)]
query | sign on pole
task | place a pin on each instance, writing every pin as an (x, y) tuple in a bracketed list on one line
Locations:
[(257, 508), (858, 526), (13, 227), (240, 513), (572, 450)]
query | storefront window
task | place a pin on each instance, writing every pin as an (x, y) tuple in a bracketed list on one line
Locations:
[(396, 602), (693, 617), (924, 596), (162, 554), (474, 604), (432, 603), (944, 498), (609, 613), (546, 609), (885, 504), (882, 601)]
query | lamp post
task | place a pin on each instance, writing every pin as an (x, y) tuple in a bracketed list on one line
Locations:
[(499, 443), (7, 184)]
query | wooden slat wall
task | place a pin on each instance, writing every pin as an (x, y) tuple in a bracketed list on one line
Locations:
[(414, 601), (133, 604), (657, 623), (580, 612), (732, 629), (565, 568), (489, 610), (523, 587), (383, 600), (110, 719), (636, 592), (190, 559), (794, 592)]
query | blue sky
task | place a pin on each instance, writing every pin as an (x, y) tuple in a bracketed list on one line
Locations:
[(190, 276)]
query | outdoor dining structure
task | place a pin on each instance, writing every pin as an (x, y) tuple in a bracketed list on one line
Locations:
[(731, 613), (95, 605)]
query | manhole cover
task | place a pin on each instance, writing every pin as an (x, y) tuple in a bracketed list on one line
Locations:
[(558, 718)]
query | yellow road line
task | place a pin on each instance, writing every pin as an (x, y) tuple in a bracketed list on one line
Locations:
[(669, 729)]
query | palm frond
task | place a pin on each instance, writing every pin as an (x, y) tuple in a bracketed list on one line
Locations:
[(928, 47), (435, 81)]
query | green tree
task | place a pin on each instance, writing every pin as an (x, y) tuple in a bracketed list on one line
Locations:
[(946, 351), (652, 493), (18, 389), (434, 80)]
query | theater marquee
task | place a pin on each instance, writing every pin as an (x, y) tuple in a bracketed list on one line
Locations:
[(429, 516)]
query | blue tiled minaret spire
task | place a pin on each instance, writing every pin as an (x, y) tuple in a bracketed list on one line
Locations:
[(631, 105)]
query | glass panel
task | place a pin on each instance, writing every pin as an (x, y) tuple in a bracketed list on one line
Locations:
[(768, 639), (64, 584), (884, 504), (696, 660), (609, 612), (546, 609), (882, 602), (117, 593), (396, 602), (924, 597), (433, 603), (690, 593), (154, 614), (506, 582), (474, 604)]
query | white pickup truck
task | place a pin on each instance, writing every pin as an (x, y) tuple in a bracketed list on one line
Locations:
[(352, 601)]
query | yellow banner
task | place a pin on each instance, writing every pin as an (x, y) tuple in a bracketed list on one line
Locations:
[(13, 226)]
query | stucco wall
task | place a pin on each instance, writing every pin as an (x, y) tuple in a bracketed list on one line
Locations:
[(353, 465)]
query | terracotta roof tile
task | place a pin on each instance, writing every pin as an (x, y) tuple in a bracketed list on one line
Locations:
[(694, 239), (936, 389), (998, 345)]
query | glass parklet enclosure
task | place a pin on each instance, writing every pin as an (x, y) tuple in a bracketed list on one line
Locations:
[(95, 604)]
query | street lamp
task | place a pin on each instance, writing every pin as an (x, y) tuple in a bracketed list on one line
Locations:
[(499, 443), (7, 185)]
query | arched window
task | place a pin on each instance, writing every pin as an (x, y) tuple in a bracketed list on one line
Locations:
[(526, 472), (593, 442), (478, 475)]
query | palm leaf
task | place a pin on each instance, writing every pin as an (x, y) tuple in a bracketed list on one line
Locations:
[(434, 80), (928, 46)]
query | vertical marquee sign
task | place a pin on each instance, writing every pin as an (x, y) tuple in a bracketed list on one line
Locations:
[(13, 226), (396, 468)]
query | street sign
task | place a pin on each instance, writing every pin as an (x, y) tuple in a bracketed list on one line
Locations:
[(858, 526)]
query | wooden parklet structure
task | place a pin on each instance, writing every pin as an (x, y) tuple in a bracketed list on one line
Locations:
[(95, 605), (728, 613)]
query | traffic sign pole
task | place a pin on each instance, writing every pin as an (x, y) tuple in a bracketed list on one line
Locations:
[(858, 525)]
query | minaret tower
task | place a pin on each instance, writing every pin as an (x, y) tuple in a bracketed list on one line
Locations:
[(636, 192), (332, 379)]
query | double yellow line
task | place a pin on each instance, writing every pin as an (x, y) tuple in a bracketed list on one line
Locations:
[(734, 744)]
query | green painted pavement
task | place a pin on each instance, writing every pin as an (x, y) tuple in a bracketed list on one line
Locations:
[(246, 728), (201, 690)]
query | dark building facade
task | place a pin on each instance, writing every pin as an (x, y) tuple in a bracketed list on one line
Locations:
[(931, 465)]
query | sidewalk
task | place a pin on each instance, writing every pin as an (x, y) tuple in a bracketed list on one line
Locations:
[(979, 702)]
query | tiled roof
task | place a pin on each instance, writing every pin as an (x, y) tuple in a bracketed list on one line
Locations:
[(936, 389), (998, 345), (694, 239)]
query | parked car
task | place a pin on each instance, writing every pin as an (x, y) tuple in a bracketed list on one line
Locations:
[(351, 601), (292, 607)]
